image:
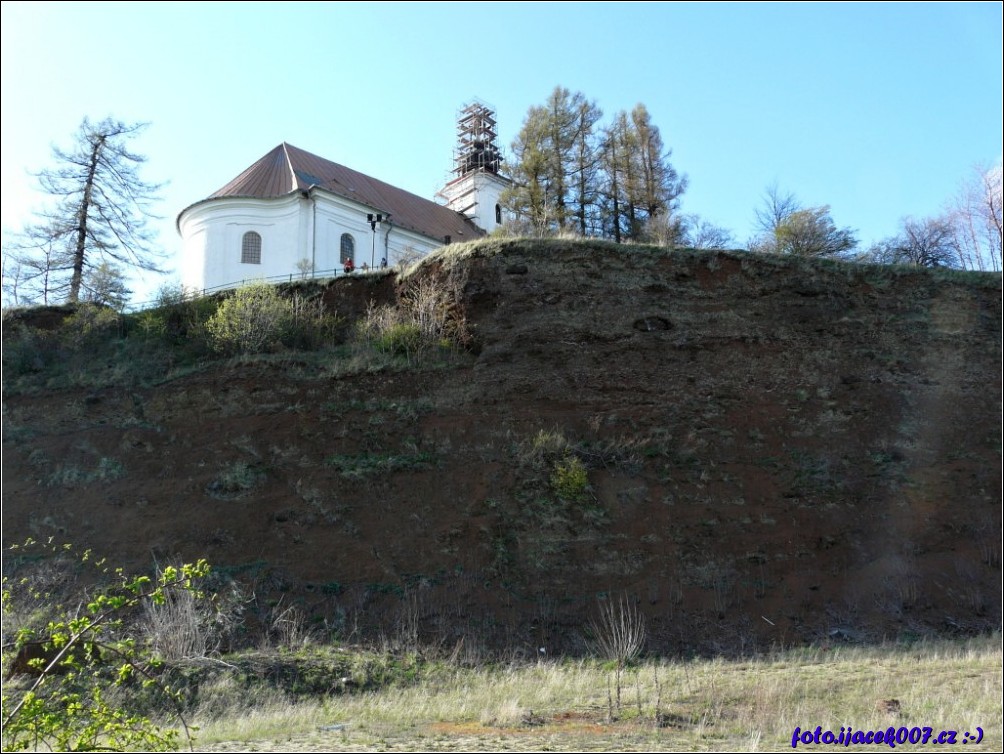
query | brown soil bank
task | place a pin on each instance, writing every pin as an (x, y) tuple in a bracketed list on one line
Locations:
[(774, 451)]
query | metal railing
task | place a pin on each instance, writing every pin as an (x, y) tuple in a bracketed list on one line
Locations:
[(337, 272)]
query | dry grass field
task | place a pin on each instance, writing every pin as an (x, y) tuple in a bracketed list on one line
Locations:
[(699, 705)]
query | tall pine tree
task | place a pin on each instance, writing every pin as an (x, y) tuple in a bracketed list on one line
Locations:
[(585, 167), (616, 182), (640, 185), (527, 197), (554, 166)]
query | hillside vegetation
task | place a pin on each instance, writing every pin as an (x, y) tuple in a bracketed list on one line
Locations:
[(752, 451)]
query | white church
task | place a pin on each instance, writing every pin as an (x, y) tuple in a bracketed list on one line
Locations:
[(293, 213)]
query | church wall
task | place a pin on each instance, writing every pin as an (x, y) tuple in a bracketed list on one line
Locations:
[(335, 217), (213, 232), (402, 245), (489, 194), (292, 228)]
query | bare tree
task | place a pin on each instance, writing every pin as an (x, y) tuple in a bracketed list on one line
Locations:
[(976, 221), (702, 234), (664, 229), (777, 207), (619, 634), (36, 268), (100, 212), (924, 243), (13, 279)]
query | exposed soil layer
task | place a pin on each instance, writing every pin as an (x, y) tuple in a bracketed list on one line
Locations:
[(777, 451)]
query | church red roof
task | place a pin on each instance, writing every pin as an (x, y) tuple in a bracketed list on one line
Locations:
[(287, 169)]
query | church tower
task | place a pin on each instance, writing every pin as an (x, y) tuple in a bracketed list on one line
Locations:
[(475, 190)]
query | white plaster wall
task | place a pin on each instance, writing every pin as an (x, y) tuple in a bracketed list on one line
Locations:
[(489, 190), (212, 236), (335, 216), (292, 228), (483, 190)]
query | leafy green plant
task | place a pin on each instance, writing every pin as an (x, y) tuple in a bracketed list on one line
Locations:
[(250, 320), (402, 339), (80, 656), (90, 323), (151, 324), (569, 479)]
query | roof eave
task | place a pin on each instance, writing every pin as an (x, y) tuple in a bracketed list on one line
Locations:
[(208, 199)]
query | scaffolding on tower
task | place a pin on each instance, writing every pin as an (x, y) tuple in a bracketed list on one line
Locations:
[(477, 148)]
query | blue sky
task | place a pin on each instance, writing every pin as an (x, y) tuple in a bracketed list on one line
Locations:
[(878, 110)]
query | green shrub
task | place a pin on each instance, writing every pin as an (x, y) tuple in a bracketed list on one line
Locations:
[(89, 324), (402, 339), (570, 480), (253, 319), (68, 475), (152, 325)]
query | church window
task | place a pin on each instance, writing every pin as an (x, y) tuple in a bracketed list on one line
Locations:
[(348, 248), (251, 248), (498, 214)]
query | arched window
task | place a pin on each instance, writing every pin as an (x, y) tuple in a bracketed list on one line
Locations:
[(498, 214), (348, 248), (251, 248)]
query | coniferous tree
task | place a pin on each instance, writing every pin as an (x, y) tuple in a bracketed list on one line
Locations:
[(100, 212), (558, 148), (585, 166), (571, 154), (616, 182), (659, 185), (527, 197), (554, 169), (105, 284)]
